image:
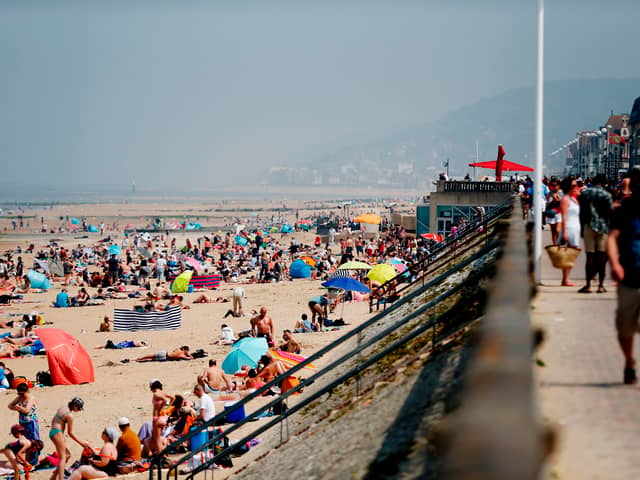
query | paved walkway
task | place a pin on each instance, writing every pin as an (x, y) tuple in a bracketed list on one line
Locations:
[(581, 389)]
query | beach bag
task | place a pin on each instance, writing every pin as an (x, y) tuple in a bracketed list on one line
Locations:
[(289, 383), (240, 449), (20, 380), (562, 257), (279, 408), (221, 445), (44, 378), (197, 460), (200, 353)]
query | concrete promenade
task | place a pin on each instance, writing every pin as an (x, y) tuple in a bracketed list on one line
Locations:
[(596, 416)]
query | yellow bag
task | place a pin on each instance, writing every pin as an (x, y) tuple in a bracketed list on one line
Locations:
[(562, 257)]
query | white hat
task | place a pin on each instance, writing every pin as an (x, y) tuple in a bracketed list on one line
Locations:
[(122, 421)]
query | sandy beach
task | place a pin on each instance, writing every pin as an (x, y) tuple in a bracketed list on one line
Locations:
[(121, 389)]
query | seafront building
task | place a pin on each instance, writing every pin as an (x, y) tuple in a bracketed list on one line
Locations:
[(611, 149), (455, 200)]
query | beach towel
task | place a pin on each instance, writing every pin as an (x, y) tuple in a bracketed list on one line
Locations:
[(134, 321), (208, 282), (55, 268)]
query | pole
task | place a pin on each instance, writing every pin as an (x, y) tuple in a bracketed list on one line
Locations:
[(537, 185)]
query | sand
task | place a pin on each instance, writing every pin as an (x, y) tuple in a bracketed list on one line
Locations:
[(122, 389)]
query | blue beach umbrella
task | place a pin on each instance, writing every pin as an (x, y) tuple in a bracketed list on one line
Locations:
[(75, 221), (346, 283), (244, 352)]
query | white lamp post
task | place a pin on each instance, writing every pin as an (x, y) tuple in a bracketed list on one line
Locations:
[(537, 184)]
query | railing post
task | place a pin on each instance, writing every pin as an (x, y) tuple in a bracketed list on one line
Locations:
[(359, 341), (433, 330), (284, 419)]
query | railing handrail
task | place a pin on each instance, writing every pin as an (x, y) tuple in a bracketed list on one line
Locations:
[(156, 460), (357, 369), (461, 186), (443, 249)]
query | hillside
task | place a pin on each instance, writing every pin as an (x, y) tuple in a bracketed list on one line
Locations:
[(412, 158)]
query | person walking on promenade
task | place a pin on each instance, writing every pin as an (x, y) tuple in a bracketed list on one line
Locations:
[(623, 249), (553, 207), (596, 205), (570, 211)]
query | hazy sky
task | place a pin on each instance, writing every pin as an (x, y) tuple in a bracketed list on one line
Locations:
[(211, 92)]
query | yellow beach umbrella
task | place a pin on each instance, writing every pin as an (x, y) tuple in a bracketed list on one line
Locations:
[(309, 260), (382, 273), (368, 218), (355, 266)]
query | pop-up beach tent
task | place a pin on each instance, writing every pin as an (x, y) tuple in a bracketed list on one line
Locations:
[(39, 280), (299, 269)]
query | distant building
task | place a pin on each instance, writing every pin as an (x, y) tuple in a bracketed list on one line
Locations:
[(617, 148), (584, 154), (634, 134), (605, 150)]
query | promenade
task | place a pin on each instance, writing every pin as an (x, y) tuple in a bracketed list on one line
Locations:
[(596, 416)]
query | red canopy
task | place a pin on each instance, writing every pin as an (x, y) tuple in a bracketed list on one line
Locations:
[(507, 166), (432, 236), (69, 362)]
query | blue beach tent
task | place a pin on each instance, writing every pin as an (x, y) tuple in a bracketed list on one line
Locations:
[(299, 269)]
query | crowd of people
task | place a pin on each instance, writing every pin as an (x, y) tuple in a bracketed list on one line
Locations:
[(141, 267), (603, 218)]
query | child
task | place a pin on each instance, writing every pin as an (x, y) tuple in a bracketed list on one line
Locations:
[(303, 325), (105, 325), (226, 335)]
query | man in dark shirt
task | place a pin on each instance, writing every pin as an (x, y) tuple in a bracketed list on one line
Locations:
[(596, 205), (114, 266), (623, 249)]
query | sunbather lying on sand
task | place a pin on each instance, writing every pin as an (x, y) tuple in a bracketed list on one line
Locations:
[(124, 344), (181, 353), (206, 299)]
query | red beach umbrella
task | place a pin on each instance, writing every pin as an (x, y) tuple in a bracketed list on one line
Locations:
[(69, 362)]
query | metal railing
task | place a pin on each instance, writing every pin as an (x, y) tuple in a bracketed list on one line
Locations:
[(497, 432), (469, 237), (463, 187), (423, 328), (362, 364)]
